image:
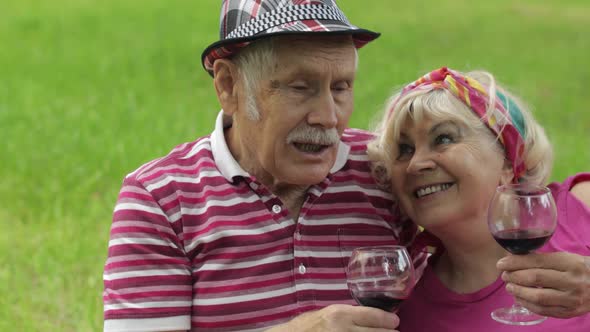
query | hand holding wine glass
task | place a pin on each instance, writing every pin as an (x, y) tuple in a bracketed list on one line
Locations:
[(380, 277), (521, 217)]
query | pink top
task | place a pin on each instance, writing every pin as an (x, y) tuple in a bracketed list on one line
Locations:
[(433, 307)]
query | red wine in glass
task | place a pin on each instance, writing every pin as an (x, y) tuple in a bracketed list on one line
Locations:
[(522, 241), (378, 300), (521, 217), (380, 277)]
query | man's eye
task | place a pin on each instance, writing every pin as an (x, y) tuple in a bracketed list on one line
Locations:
[(299, 87), (341, 86), (444, 139)]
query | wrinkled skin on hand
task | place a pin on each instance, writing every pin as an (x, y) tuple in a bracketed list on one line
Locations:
[(554, 284), (342, 318)]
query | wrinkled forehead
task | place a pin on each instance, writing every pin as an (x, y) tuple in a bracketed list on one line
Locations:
[(315, 56), (332, 48)]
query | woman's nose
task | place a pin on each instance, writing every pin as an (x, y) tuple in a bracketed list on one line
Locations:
[(422, 161)]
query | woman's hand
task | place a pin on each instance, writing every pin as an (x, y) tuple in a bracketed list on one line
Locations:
[(554, 284)]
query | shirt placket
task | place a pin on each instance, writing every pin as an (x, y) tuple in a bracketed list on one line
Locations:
[(302, 262)]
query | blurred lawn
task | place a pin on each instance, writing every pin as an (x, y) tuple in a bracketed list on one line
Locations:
[(89, 90)]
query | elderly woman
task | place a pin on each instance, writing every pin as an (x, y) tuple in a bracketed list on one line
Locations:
[(446, 142)]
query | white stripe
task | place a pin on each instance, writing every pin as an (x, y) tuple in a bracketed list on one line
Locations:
[(160, 288), (203, 144), (139, 207), (144, 273), (241, 265), (231, 232), (214, 203), (173, 168), (342, 221), (270, 294), (138, 240), (320, 254), (178, 323), (356, 188), (243, 298), (181, 179), (150, 304), (313, 286)]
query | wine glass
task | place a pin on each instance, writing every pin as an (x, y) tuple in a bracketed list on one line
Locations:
[(521, 217), (380, 276)]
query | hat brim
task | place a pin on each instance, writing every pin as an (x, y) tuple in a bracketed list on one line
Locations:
[(228, 47)]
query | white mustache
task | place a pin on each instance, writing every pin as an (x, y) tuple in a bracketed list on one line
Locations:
[(313, 135)]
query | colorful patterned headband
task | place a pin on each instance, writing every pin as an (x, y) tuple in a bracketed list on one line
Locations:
[(505, 120)]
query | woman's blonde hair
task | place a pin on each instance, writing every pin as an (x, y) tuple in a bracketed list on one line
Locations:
[(442, 104)]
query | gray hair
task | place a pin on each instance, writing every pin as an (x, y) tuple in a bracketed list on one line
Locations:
[(254, 62)]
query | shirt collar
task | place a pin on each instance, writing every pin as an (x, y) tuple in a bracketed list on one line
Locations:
[(228, 165)]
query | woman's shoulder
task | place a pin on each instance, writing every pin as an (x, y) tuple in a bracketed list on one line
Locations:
[(578, 182), (582, 192), (577, 185)]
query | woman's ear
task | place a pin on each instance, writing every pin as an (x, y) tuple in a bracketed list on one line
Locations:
[(225, 79), (507, 175)]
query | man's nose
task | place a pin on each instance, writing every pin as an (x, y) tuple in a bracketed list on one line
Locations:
[(324, 110), (422, 161)]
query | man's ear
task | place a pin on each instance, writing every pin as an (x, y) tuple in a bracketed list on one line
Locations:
[(225, 79)]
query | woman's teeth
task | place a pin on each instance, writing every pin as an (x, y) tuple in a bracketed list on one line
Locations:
[(432, 189)]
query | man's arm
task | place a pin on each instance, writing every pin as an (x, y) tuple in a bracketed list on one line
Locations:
[(340, 317)]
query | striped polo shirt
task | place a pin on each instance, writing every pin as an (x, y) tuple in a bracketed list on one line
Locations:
[(199, 244)]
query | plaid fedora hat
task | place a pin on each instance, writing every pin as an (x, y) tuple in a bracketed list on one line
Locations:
[(243, 21)]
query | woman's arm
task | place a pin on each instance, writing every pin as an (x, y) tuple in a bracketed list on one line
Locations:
[(553, 284), (582, 192)]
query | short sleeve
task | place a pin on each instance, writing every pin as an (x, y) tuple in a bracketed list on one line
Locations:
[(147, 275)]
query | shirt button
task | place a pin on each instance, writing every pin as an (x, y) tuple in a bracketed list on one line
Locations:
[(298, 235), (302, 269), (276, 208)]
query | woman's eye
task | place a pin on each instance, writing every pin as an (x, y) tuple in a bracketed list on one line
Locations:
[(444, 139), (405, 150)]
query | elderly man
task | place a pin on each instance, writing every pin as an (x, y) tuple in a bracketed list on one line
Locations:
[(238, 230)]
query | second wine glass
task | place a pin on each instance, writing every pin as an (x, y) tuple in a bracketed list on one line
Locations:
[(380, 277), (521, 218)]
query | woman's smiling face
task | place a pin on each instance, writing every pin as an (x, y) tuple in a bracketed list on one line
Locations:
[(445, 172)]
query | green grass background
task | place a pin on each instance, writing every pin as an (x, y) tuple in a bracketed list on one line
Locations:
[(90, 90)]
